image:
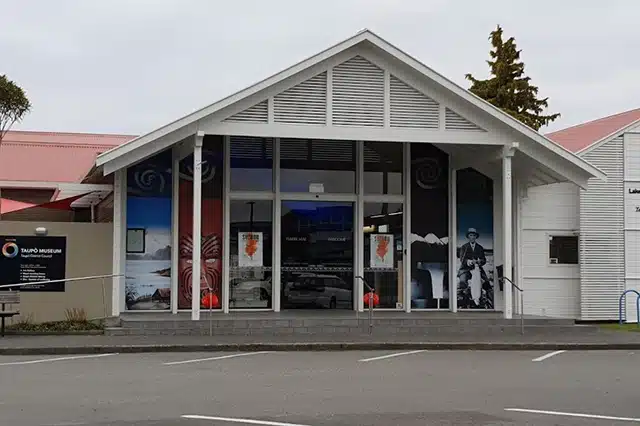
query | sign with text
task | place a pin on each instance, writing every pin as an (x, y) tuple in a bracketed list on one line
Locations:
[(381, 251), (250, 246), (26, 259)]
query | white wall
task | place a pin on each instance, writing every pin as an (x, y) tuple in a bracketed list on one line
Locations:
[(632, 221), (602, 252), (549, 290)]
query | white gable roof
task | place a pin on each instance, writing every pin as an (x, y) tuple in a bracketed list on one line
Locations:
[(361, 37)]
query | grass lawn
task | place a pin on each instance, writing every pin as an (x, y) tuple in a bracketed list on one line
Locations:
[(621, 327)]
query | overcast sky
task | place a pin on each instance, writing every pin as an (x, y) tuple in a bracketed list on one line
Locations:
[(129, 66)]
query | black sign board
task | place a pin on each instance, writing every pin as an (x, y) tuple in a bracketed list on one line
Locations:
[(26, 259)]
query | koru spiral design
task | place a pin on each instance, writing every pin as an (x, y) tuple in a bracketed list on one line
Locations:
[(427, 173), (149, 179)]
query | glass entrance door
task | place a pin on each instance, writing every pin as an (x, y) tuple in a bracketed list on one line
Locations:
[(317, 255)]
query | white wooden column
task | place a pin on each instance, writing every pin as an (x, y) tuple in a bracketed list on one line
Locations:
[(507, 233), (197, 226), (453, 239), (119, 241), (359, 260), (226, 224), (175, 227), (407, 227), (276, 275)]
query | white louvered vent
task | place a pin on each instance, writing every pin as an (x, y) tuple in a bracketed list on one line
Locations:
[(256, 114), (454, 121), (411, 108), (358, 94), (305, 103), (602, 253)]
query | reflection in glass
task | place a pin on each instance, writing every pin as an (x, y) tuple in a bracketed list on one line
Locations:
[(387, 280), (383, 167), (331, 165), (251, 164), (317, 255), (250, 254)]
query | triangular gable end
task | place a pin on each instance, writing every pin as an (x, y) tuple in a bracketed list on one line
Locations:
[(454, 121), (358, 93), (411, 108), (361, 89), (305, 103), (258, 113)]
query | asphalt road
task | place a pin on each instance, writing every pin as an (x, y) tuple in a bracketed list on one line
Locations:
[(322, 388)]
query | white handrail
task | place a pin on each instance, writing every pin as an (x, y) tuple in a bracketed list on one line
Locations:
[(93, 277)]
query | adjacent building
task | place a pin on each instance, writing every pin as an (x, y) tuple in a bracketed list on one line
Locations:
[(602, 220)]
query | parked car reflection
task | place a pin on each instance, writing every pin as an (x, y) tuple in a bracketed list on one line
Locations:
[(250, 293), (318, 290)]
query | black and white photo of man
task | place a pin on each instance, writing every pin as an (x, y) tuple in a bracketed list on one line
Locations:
[(472, 277)]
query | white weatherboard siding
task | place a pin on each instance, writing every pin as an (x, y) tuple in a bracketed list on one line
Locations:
[(632, 221), (602, 264), (549, 290)]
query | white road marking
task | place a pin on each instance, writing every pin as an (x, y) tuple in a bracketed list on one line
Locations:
[(586, 416), (549, 355), (68, 358), (238, 420), (191, 361), (390, 356)]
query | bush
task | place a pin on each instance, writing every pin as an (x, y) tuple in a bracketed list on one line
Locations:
[(76, 320)]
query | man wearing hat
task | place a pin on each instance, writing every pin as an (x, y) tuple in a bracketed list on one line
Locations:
[(472, 256)]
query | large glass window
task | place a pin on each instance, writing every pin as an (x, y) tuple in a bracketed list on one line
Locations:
[(317, 255), (210, 292), (383, 248), (317, 166), (148, 262), (429, 227), (251, 164), (383, 167), (250, 254)]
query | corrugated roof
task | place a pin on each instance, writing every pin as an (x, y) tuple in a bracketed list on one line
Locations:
[(52, 157), (577, 138)]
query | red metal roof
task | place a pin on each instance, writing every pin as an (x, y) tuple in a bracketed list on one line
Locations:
[(577, 138), (52, 157)]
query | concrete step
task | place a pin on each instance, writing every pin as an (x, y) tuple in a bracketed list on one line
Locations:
[(200, 329), (341, 322)]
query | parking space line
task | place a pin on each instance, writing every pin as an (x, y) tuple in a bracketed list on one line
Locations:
[(391, 356), (238, 420), (68, 358), (546, 356), (215, 358), (564, 414)]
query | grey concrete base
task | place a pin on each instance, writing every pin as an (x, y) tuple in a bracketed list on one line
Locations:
[(333, 322)]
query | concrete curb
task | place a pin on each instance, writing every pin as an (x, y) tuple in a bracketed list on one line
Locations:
[(55, 333), (316, 346)]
